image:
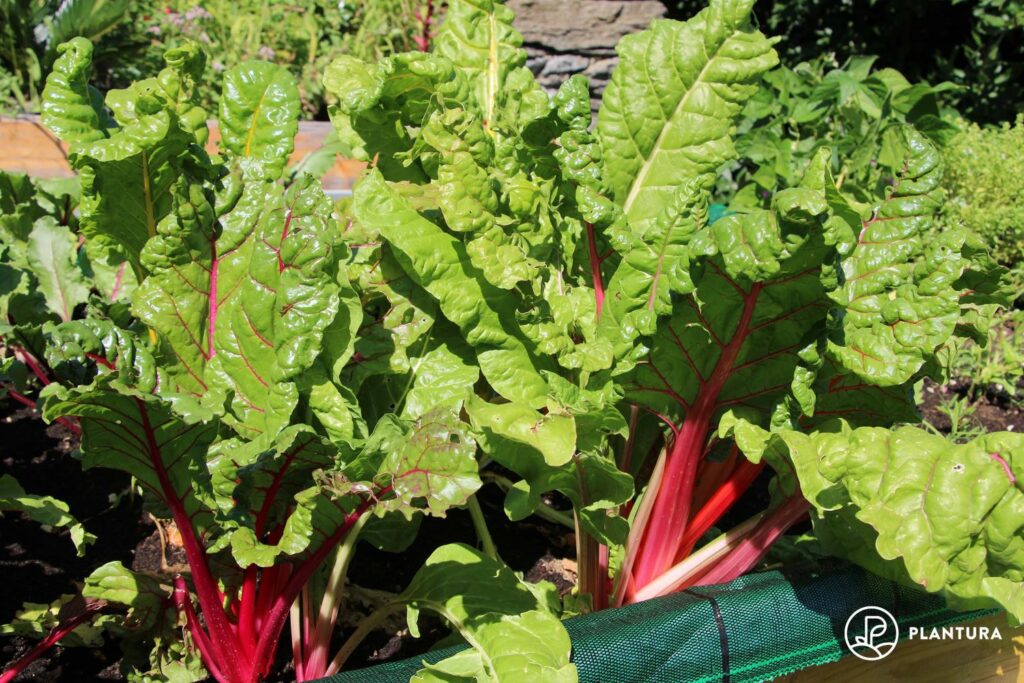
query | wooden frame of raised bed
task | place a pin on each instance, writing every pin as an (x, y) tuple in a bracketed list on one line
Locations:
[(26, 146)]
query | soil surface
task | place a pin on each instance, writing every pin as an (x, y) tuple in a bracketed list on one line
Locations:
[(37, 566), (992, 411)]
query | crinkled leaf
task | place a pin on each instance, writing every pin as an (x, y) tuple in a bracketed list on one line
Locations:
[(426, 465), (81, 350), (951, 514), (899, 297), (259, 114), (173, 89), (261, 488), (439, 263), (542, 450), (667, 115), (126, 183), (375, 103), (656, 266), (478, 37), (241, 292), (440, 378), (72, 108), (758, 299)]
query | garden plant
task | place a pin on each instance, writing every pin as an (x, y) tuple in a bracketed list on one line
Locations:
[(517, 296)]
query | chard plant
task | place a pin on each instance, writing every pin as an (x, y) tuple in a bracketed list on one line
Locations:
[(513, 296), (619, 332), (224, 393)]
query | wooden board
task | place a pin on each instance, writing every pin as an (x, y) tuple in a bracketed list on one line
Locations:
[(26, 146), (934, 661)]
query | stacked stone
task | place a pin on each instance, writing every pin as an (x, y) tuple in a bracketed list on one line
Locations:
[(566, 37)]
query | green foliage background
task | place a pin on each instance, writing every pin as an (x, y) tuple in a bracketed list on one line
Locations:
[(985, 181), (977, 44)]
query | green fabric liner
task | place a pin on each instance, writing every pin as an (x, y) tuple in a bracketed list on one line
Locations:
[(758, 627)]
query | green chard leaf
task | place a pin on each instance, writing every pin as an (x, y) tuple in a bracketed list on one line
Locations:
[(427, 465), (52, 255), (241, 291), (374, 103), (758, 298), (72, 108), (899, 296), (46, 510), (478, 38), (150, 628), (542, 449), (439, 263), (126, 183), (513, 634), (259, 114), (667, 115), (913, 505), (127, 168), (134, 432)]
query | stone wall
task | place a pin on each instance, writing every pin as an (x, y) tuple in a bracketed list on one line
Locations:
[(566, 37)]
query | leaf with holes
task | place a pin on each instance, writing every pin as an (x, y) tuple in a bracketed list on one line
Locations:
[(948, 516)]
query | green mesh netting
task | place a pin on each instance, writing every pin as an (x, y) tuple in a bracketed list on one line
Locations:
[(758, 627)]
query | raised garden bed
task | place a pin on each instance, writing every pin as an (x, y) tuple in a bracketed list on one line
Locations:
[(769, 626), (530, 347)]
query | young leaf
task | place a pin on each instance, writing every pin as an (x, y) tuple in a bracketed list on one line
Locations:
[(72, 108), (514, 636), (46, 510), (259, 114), (375, 102), (439, 263), (126, 183), (53, 257), (542, 449), (478, 37)]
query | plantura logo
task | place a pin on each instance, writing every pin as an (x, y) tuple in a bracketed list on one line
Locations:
[(871, 633)]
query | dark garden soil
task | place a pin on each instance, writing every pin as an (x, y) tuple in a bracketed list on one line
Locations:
[(36, 566), (993, 411)]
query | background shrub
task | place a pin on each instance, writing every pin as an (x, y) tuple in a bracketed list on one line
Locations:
[(977, 44), (985, 181)]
